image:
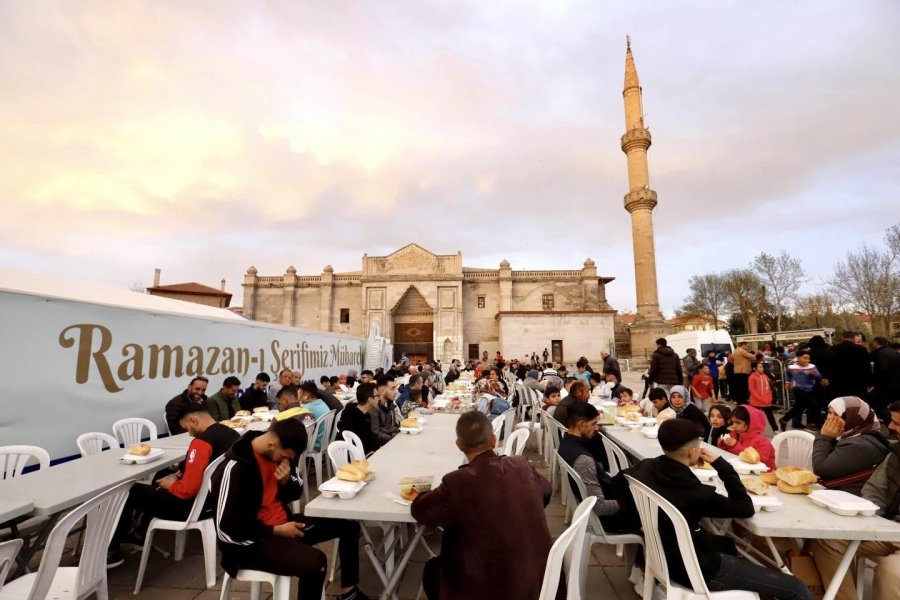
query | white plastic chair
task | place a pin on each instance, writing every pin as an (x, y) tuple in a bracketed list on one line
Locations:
[(130, 431), (566, 553), (515, 444), (323, 423), (534, 423), (330, 437), (595, 532), (794, 449), (14, 459), (8, 552), (281, 584), (617, 458), (351, 437), (51, 581), (194, 521), (650, 505), (93, 442), (340, 453)]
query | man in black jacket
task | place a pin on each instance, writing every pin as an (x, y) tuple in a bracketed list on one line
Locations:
[(852, 372), (665, 366), (255, 395), (885, 377), (194, 394), (670, 476), (357, 416), (251, 491)]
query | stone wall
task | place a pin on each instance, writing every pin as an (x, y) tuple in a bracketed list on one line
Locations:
[(583, 334)]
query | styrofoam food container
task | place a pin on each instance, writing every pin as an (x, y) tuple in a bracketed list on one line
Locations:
[(340, 488), (704, 474), (137, 459), (746, 468), (411, 430), (844, 503), (652, 433), (767, 503)]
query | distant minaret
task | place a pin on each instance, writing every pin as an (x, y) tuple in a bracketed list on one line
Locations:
[(640, 201)]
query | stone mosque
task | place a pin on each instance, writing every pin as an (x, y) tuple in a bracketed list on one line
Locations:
[(431, 306)]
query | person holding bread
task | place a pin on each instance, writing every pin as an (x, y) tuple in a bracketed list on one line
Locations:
[(670, 476), (748, 426), (849, 445)]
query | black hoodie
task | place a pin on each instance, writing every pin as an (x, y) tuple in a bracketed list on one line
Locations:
[(665, 367), (675, 482)]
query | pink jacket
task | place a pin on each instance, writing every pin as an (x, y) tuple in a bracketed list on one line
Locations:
[(754, 437), (760, 390)]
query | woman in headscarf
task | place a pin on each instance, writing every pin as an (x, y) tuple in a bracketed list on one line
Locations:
[(849, 445), (678, 400)]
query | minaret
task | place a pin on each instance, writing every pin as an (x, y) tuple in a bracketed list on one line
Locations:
[(640, 201)]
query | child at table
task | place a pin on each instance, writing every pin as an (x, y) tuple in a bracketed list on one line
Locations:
[(624, 396), (747, 430), (719, 418)]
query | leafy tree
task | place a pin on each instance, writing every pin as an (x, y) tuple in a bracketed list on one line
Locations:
[(746, 294), (708, 297), (782, 275)]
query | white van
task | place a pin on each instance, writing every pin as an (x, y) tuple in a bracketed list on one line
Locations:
[(703, 341)]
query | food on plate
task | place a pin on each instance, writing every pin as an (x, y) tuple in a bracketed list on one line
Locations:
[(632, 416), (261, 409), (358, 470), (233, 423), (629, 409), (749, 456), (409, 423), (705, 467), (411, 487), (139, 449), (796, 476), (413, 414), (769, 477), (755, 485), (665, 416), (784, 486), (242, 413)]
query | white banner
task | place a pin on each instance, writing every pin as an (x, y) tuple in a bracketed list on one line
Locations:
[(71, 367)]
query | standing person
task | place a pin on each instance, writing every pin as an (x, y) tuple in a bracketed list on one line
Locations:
[(611, 364), (743, 364), (713, 366), (173, 496), (252, 490), (195, 393), (665, 367), (852, 372), (546, 355), (224, 403), (885, 376), (802, 376), (357, 416), (761, 393), (821, 355), (691, 364), (670, 476), (703, 388), (493, 506), (255, 395), (678, 400)]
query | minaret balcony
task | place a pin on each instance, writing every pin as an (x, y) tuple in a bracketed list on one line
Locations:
[(636, 139), (640, 200)]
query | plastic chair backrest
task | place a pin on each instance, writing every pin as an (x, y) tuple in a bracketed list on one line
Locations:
[(340, 453), (166, 423), (93, 442), (566, 553), (515, 443), (13, 459), (203, 492), (351, 437), (324, 427), (649, 505), (312, 433), (8, 552), (101, 513), (497, 425), (130, 431), (794, 449), (615, 455), (332, 434), (570, 478)]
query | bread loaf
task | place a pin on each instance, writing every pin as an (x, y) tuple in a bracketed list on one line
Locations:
[(749, 456), (624, 411), (242, 413), (755, 485), (358, 470), (665, 415), (796, 476), (261, 409), (409, 423), (769, 477), (787, 488), (139, 449)]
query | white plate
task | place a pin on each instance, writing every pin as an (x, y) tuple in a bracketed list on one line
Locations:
[(651, 432), (767, 503), (136, 459), (844, 503), (744, 468), (340, 488), (704, 474), (411, 430)]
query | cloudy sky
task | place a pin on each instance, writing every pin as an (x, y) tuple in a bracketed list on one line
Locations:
[(205, 137)]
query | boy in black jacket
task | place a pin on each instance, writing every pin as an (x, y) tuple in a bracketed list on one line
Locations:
[(251, 491), (670, 476)]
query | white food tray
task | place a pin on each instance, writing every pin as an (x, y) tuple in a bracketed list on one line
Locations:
[(767, 503), (651, 432), (844, 503), (411, 430), (704, 474), (639, 421), (340, 488), (136, 459), (744, 468)]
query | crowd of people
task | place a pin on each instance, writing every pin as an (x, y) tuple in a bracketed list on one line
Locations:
[(723, 399)]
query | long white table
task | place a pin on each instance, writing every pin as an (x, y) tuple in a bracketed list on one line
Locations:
[(432, 453), (798, 516), (11, 509)]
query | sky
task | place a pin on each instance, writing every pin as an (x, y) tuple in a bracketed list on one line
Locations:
[(204, 137)]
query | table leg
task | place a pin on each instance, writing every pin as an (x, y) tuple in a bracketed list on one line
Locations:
[(401, 566), (841, 570), (776, 557)]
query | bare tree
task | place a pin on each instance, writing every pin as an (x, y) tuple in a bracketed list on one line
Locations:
[(137, 286), (782, 276), (708, 297), (746, 294)]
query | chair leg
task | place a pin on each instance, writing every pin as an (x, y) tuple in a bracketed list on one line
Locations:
[(255, 588), (649, 583), (226, 587), (145, 554), (282, 588), (180, 539), (317, 462), (304, 471), (208, 537), (334, 558)]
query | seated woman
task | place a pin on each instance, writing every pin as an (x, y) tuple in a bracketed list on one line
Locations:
[(849, 445), (490, 393), (747, 427), (685, 410)]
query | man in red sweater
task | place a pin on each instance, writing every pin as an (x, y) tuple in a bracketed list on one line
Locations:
[(172, 497)]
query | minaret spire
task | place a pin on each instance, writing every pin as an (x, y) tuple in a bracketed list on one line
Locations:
[(640, 201)]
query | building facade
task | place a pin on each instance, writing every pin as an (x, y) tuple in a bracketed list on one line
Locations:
[(431, 306)]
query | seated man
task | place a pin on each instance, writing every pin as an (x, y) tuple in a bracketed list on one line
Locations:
[(576, 450), (252, 490), (195, 393), (386, 416), (327, 395), (172, 497), (290, 407), (670, 476), (882, 488), (224, 403), (256, 394), (578, 392), (492, 507), (357, 416)]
